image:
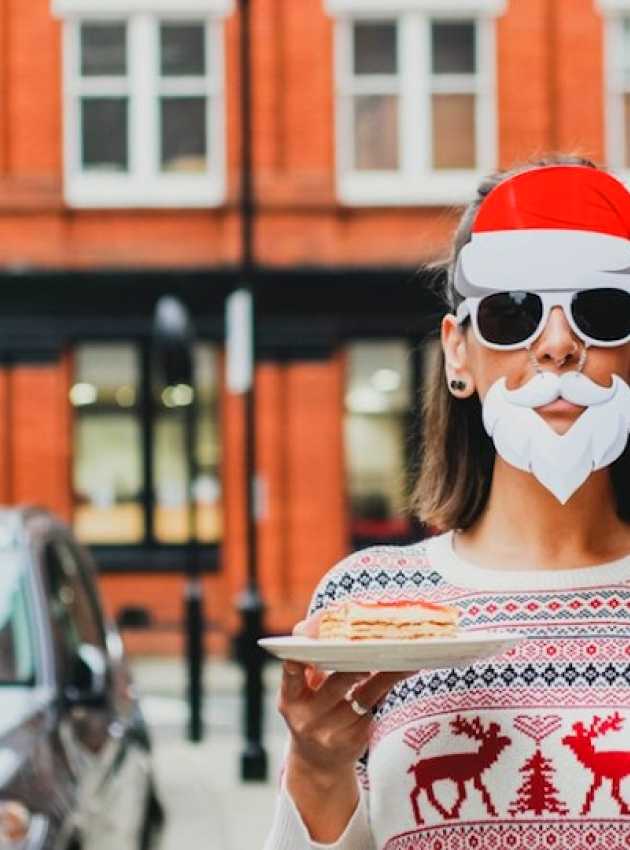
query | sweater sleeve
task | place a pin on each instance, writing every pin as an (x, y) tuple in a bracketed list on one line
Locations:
[(288, 831)]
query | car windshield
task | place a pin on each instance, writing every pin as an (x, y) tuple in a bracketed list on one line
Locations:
[(16, 644)]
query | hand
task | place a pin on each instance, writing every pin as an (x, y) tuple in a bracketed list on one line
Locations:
[(327, 735)]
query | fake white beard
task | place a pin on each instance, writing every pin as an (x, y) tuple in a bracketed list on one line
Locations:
[(561, 463)]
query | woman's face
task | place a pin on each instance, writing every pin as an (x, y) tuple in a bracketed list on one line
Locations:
[(557, 349)]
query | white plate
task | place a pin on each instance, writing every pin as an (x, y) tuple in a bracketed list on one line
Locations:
[(391, 655)]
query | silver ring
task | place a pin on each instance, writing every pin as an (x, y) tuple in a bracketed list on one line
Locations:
[(576, 347), (359, 709)]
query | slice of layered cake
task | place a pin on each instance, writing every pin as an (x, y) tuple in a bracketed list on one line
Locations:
[(397, 620)]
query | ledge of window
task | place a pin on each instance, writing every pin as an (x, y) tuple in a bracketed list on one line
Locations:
[(106, 192), (438, 7), (393, 189), (66, 8), (608, 6), (156, 558)]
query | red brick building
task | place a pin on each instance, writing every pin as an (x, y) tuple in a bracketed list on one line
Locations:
[(119, 182)]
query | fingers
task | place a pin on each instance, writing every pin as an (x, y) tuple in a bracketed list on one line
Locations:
[(368, 694), (300, 680), (293, 681), (335, 688), (326, 692), (372, 691), (315, 677), (368, 688)]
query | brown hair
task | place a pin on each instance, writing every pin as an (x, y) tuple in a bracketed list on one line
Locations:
[(457, 458)]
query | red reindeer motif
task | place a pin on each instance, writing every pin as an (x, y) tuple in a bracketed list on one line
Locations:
[(606, 764), (459, 767)]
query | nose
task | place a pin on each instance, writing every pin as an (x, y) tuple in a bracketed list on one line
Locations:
[(557, 344)]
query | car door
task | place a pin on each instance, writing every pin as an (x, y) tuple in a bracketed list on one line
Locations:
[(88, 727), (117, 776), (124, 793)]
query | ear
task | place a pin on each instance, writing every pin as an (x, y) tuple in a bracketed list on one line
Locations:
[(461, 382)]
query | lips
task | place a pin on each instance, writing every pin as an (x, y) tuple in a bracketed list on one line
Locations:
[(560, 405)]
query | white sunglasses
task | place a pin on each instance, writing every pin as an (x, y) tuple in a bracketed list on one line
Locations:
[(510, 320)]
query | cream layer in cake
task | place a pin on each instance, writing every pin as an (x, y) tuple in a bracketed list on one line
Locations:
[(408, 620)]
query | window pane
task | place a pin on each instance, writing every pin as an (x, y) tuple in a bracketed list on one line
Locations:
[(103, 50), (184, 145), (208, 484), (72, 601), (626, 100), (16, 652), (183, 50), (170, 466), (453, 48), (454, 131), (171, 478), (376, 132), (104, 133), (375, 50), (108, 477), (378, 408)]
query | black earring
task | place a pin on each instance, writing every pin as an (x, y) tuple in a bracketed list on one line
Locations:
[(458, 385)]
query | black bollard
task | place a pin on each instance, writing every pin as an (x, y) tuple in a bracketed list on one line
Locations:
[(194, 654), (253, 755), (194, 588)]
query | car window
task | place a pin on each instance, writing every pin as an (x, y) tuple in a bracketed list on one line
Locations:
[(16, 646), (74, 616)]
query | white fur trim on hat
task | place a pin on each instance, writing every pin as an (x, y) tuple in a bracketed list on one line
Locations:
[(542, 260)]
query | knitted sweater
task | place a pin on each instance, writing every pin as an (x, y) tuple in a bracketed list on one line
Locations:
[(523, 751)]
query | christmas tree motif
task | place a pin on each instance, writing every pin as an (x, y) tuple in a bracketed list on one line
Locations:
[(537, 793)]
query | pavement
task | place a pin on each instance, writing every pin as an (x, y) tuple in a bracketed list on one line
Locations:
[(207, 805)]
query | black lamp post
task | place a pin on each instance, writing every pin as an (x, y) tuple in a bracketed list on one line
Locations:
[(173, 337), (241, 357)]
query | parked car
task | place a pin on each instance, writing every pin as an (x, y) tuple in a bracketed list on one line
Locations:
[(75, 753)]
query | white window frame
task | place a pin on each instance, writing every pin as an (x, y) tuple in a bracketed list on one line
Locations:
[(415, 182), (144, 184), (615, 12)]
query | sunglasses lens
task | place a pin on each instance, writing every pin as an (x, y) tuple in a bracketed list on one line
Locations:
[(508, 318), (602, 314)]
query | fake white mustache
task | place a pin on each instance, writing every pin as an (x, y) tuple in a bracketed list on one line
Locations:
[(547, 387)]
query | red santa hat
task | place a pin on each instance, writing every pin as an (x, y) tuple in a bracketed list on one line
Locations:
[(555, 227)]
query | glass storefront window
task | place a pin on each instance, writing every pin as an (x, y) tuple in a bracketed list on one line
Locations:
[(108, 469), (379, 407), (112, 438)]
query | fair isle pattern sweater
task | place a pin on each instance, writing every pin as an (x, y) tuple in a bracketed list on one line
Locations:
[(525, 751)]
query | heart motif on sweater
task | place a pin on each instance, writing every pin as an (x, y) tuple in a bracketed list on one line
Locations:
[(418, 736), (539, 726)]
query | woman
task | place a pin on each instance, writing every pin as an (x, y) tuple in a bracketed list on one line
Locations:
[(526, 468)]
